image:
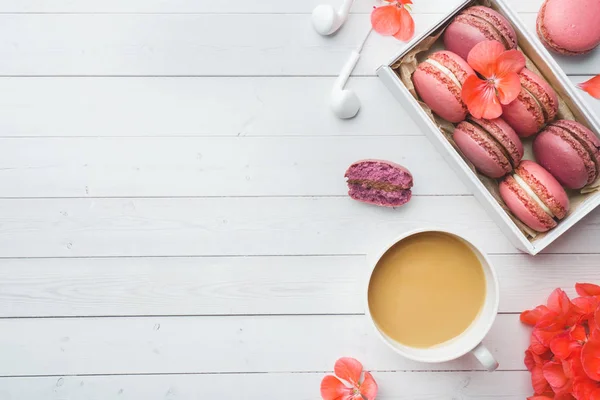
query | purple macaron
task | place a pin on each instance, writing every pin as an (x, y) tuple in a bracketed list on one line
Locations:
[(379, 182)]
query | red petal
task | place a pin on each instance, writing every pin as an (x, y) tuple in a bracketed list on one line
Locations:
[(538, 382), (333, 389), (587, 289), (590, 359), (483, 56), (406, 2), (529, 360), (544, 337), (369, 387), (540, 398), (511, 61), (586, 305), (349, 370), (559, 302), (509, 87), (562, 346), (480, 97), (592, 87), (407, 26), (536, 346), (531, 317), (555, 375), (578, 333), (386, 20)]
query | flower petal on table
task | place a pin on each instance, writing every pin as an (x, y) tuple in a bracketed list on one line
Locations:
[(559, 302), (592, 87), (587, 289), (407, 26), (333, 389), (349, 370), (386, 20), (531, 317), (369, 387)]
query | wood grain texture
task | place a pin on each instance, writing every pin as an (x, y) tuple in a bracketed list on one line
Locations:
[(392, 386), (218, 7), (215, 106), (245, 226), (221, 344), (209, 166), (201, 44), (243, 285)]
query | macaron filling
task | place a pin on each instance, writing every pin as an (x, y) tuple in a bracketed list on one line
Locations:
[(445, 71), (523, 185)]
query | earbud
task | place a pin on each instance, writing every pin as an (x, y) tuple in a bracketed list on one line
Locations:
[(327, 21), (344, 102)]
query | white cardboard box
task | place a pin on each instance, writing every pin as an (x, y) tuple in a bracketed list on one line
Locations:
[(557, 78)]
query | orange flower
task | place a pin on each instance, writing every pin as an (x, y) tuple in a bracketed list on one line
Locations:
[(500, 84), (592, 87), (394, 20), (346, 384)]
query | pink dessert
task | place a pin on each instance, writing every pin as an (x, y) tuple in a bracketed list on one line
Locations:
[(536, 105), (570, 152), (379, 182), (438, 81), (475, 25), (570, 27), (491, 145), (534, 196)]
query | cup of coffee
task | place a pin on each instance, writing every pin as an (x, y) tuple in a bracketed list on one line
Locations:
[(433, 296)]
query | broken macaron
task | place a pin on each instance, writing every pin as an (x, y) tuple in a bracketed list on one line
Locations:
[(379, 182), (534, 196)]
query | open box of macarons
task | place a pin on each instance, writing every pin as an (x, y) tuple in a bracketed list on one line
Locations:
[(536, 168)]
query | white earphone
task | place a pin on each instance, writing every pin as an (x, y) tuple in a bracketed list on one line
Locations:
[(344, 102), (326, 20)]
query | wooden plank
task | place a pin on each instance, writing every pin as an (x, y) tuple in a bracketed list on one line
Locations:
[(245, 226), (221, 344), (254, 7), (193, 107), (199, 44), (197, 107), (243, 285), (210, 166), (506, 385)]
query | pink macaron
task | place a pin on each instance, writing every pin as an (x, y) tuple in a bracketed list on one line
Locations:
[(379, 182), (534, 196), (491, 145), (475, 25), (438, 81), (570, 152), (570, 27), (536, 105)]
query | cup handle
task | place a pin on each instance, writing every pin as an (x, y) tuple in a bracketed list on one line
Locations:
[(485, 357)]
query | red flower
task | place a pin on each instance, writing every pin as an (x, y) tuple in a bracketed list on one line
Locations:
[(394, 20), (564, 353), (501, 83), (592, 87), (346, 384)]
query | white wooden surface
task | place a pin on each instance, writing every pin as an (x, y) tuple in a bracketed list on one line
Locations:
[(173, 218)]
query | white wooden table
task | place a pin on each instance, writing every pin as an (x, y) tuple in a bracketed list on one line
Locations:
[(173, 217)]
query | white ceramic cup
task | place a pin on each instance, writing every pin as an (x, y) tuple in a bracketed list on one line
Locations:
[(469, 340)]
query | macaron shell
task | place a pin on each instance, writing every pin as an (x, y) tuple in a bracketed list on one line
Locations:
[(481, 150), (498, 21), (465, 32), (525, 208), (590, 141), (440, 93), (564, 157), (524, 115), (570, 27), (545, 186), (542, 91), (459, 67), (505, 135)]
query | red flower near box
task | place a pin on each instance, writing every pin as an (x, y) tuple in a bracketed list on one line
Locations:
[(592, 87), (394, 20), (564, 352)]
